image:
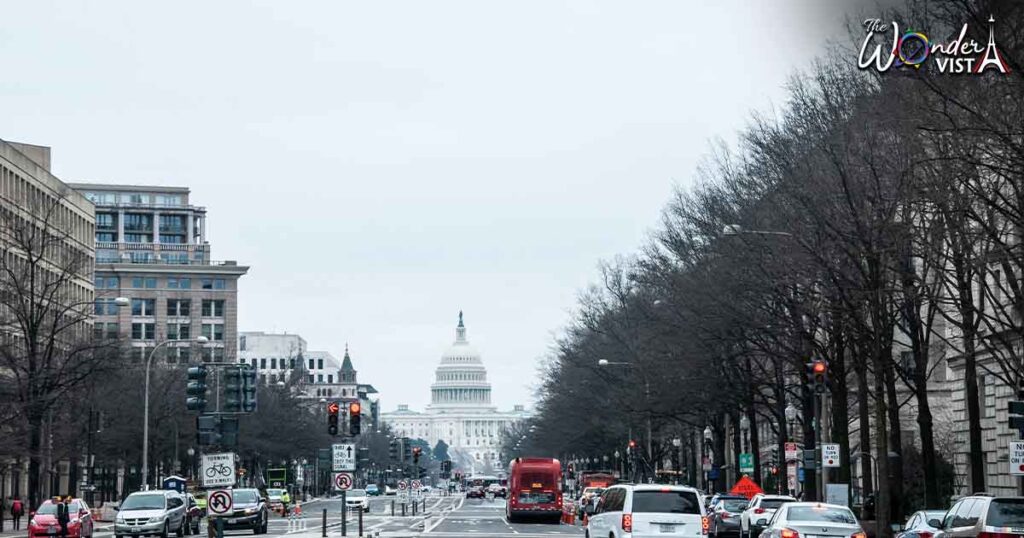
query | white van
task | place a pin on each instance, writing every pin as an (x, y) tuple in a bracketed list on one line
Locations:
[(648, 510)]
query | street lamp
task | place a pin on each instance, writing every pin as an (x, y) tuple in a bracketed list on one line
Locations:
[(708, 436), (145, 405), (191, 459), (791, 418), (745, 430)]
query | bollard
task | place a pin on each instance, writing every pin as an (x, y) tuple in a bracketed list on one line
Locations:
[(392, 508), (414, 503), (323, 524), (403, 509), (360, 522)]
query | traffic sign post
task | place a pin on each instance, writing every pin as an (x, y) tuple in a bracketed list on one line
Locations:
[(218, 470), (1017, 458), (220, 502), (344, 457), (343, 481), (792, 452), (746, 462), (829, 455)]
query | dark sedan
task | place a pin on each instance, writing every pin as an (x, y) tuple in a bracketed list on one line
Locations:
[(724, 516), (249, 512), (475, 492)]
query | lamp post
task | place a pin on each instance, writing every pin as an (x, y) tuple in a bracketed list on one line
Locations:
[(145, 406), (647, 398), (678, 443), (791, 414), (708, 436), (191, 458), (618, 462), (745, 432)]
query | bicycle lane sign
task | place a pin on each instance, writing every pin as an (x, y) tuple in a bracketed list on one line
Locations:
[(218, 470)]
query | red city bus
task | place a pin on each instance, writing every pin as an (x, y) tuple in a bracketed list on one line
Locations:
[(596, 479), (534, 489)]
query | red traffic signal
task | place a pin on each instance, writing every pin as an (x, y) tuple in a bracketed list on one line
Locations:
[(333, 408), (775, 470), (819, 367), (354, 408), (632, 443)]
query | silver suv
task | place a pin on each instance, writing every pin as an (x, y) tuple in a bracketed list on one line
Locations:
[(980, 515), (151, 513)]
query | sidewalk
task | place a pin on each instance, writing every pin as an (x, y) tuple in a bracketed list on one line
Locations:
[(9, 526)]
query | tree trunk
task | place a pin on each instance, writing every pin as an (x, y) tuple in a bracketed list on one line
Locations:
[(864, 417), (895, 441), (810, 443), (883, 515), (755, 443), (35, 452), (840, 403), (977, 456)]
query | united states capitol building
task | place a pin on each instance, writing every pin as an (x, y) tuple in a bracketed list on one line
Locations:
[(460, 411)]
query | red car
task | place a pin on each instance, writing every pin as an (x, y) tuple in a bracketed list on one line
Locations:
[(43, 522)]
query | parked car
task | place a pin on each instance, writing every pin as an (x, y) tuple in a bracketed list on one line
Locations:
[(372, 490), (761, 506), (43, 521), (249, 511), (356, 499), (647, 509), (977, 515), (274, 500), (388, 490), (475, 492), (193, 514), (922, 524), (724, 515), (801, 519), (151, 513), (588, 496)]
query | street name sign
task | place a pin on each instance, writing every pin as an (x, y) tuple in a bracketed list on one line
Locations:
[(218, 470), (1017, 458), (220, 502), (829, 455), (746, 463), (343, 481), (344, 457)]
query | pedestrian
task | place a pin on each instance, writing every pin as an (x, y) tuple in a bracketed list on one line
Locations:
[(17, 509), (285, 501), (63, 515)]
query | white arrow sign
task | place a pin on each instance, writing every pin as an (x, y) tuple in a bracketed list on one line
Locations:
[(344, 457)]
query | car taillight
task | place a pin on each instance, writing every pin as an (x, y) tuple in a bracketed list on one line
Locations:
[(789, 533), (627, 522), (725, 515), (705, 524), (984, 534), (863, 534), (920, 534), (759, 510)]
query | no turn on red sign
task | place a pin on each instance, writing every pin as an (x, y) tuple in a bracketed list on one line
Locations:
[(343, 481), (1017, 458), (829, 455)]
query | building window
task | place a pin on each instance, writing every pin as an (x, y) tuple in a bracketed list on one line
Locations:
[(273, 364), (310, 364), (178, 283), (213, 308), (109, 282), (291, 363), (253, 363), (319, 364), (138, 238), (174, 224), (172, 239), (143, 331), (106, 331), (310, 378), (263, 364), (214, 331), (330, 378), (320, 378), (213, 284), (143, 307), (106, 237), (213, 354), (179, 307), (105, 307), (147, 282), (138, 222), (104, 220), (179, 331)]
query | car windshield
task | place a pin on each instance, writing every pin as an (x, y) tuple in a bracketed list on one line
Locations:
[(274, 492), (671, 502), (143, 502), (821, 513), (1006, 513), (357, 493), (244, 496), (734, 505), (773, 504), (51, 508)]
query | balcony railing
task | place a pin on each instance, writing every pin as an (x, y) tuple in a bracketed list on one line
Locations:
[(151, 205), (195, 247)]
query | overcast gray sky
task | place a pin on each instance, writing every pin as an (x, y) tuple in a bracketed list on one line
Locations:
[(381, 165)]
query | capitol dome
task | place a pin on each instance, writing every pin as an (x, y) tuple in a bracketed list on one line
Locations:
[(461, 378)]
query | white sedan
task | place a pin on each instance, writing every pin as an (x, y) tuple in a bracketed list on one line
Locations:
[(357, 499)]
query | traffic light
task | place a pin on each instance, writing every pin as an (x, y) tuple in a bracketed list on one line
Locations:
[(354, 416), (332, 417), (416, 455), (249, 380), (817, 370), (421, 472), (393, 450), (227, 426), (446, 468), (233, 389), (196, 388), (217, 430)]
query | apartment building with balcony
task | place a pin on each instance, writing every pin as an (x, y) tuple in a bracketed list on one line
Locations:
[(151, 247)]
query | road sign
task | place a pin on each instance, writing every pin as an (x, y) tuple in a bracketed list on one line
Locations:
[(343, 481), (792, 452), (344, 457), (218, 470), (746, 462), (402, 485), (1017, 458), (220, 502), (705, 463), (416, 484), (800, 474), (829, 455), (810, 459)]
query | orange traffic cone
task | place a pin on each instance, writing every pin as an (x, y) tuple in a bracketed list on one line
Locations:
[(298, 509)]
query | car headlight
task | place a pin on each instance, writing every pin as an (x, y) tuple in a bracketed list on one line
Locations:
[(251, 511), (32, 522), (156, 519)]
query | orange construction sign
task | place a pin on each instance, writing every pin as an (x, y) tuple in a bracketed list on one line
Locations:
[(746, 487)]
